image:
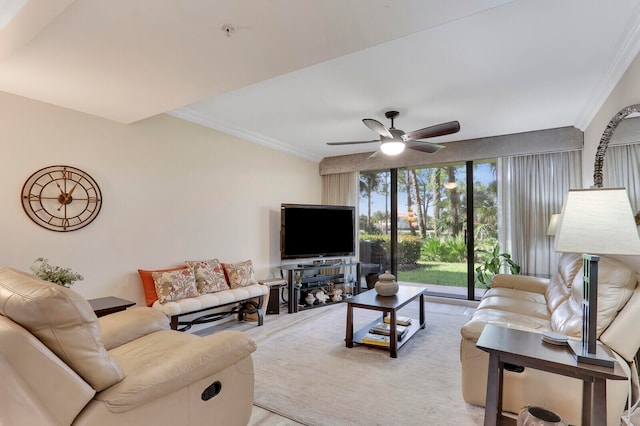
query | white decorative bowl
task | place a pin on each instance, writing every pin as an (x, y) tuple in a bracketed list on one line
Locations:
[(386, 285)]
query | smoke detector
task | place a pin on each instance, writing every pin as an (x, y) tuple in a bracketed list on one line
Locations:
[(228, 29)]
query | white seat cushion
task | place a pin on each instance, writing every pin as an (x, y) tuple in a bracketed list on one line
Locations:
[(211, 300)]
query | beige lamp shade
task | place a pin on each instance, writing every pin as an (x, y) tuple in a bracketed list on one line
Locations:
[(553, 224), (597, 221)]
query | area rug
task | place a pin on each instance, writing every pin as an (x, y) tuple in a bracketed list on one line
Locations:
[(303, 371)]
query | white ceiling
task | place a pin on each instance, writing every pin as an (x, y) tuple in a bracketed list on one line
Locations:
[(299, 73)]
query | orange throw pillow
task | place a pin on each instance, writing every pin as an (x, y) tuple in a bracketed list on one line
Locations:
[(149, 285)]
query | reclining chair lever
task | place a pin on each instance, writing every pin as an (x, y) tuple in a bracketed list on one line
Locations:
[(212, 390)]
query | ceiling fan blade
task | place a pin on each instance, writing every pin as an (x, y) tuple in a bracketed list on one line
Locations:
[(352, 142), (433, 131), (377, 127), (424, 146), (375, 154)]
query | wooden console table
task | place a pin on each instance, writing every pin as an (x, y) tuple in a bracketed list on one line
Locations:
[(525, 349)]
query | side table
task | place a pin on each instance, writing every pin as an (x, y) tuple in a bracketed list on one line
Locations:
[(107, 305), (274, 284), (526, 349)]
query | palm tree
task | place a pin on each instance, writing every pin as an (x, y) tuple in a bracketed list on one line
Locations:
[(369, 183), (407, 185), (437, 198), (485, 206), (419, 213), (454, 200), (384, 188), (424, 178)]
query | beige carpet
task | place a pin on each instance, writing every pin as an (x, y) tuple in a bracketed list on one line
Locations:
[(304, 371)]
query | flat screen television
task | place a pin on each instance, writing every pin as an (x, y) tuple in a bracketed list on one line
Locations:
[(308, 231)]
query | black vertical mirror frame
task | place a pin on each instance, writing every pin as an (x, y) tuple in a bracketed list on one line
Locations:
[(601, 151)]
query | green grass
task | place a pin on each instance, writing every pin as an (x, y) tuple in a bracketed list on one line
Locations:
[(441, 273)]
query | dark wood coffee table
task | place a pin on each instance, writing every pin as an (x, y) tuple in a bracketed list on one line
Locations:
[(525, 349), (387, 305)]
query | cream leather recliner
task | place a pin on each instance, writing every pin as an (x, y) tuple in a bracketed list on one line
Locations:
[(61, 365), (537, 304)]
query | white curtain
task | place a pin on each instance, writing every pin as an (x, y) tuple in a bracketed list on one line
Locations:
[(530, 189), (621, 168), (340, 189)]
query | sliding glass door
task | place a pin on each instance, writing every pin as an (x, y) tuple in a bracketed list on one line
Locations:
[(375, 224), (484, 219), (432, 212), (441, 213)]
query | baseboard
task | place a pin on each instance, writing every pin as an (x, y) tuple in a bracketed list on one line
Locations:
[(451, 301)]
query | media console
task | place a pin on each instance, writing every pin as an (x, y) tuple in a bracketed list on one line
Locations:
[(305, 279)]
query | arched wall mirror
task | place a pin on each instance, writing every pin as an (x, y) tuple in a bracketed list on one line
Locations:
[(618, 155)]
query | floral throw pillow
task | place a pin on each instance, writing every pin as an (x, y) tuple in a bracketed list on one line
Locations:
[(209, 276), (175, 285), (240, 274)]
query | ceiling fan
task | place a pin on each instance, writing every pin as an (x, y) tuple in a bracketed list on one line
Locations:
[(393, 141)]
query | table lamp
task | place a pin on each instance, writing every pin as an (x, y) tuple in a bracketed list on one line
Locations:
[(595, 221), (553, 224)]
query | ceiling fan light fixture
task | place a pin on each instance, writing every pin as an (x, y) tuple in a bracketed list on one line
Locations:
[(392, 147), (394, 141)]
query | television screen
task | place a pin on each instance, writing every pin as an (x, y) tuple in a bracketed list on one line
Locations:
[(316, 231)]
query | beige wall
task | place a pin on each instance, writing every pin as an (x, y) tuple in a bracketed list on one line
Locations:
[(172, 191)]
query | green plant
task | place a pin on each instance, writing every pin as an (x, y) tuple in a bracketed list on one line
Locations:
[(55, 274), (381, 238), (493, 261), (445, 249), (409, 249), (431, 249), (454, 249)]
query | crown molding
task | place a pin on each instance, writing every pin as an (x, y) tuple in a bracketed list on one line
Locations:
[(629, 48), (188, 114)]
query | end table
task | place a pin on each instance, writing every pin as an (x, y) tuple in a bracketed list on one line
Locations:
[(107, 305), (274, 284), (526, 349)]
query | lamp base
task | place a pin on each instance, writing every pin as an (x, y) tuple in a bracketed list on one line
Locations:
[(601, 357)]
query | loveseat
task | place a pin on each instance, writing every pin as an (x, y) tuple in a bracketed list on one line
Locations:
[(61, 365), (203, 291), (538, 304)]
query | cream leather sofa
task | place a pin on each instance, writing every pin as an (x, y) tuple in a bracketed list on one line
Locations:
[(537, 304), (61, 365)]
